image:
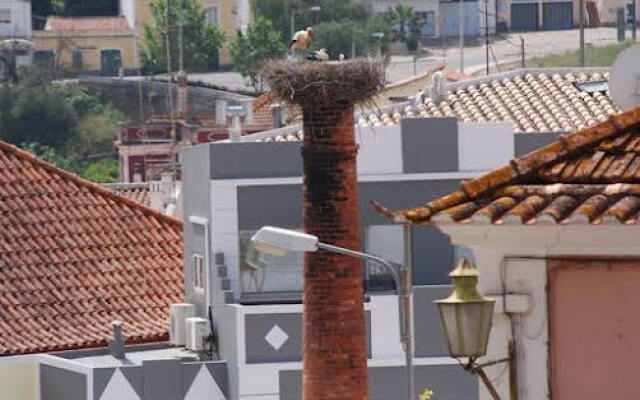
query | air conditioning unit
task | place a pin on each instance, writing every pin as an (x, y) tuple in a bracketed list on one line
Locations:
[(197, 330), (177, 329)]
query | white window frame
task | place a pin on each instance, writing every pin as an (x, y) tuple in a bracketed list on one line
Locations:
[(199, 272), (217, 15), (206, 290)]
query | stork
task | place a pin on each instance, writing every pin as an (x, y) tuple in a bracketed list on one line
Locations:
[(301, 40), (320, 55)]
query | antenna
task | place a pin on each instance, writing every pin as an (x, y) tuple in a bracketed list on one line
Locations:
[(624, 83)]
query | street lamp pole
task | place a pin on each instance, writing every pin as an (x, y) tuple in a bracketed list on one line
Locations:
[(486, 31), (461, 37), (278, 240), (402, 278)]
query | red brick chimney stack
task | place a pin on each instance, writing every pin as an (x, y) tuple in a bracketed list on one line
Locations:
[(335, 363), (334, 343)]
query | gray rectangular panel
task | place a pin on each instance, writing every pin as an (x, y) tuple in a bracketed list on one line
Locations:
[(429, 339), (62, 384), (162, 379), (433, 256), (528, 142), (278, 337), (281, 205), (429, 144), (255, 160), (449, 382)]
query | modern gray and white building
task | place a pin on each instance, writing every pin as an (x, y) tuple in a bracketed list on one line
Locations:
[(231, 189)]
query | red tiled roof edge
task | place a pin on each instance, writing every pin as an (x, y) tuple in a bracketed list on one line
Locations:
[(18, 152), (564, 146)]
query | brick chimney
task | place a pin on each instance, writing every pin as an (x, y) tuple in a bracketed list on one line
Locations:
[(334, 342), (335, 364)]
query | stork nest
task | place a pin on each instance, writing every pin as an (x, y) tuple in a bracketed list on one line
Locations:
[(312, 83)]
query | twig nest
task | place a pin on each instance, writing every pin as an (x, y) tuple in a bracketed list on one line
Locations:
[(312, 84)]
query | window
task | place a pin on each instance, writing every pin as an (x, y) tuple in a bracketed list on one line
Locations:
[(388, 242), (77, 59), (212, 15), (264, 273), (5, 16), (198, 272), (44, 58)]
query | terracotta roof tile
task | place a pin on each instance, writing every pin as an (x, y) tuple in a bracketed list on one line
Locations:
[(536, 100), (135, 191), (74, 256), (589, 176)]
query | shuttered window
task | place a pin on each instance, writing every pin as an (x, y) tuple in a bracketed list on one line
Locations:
[(212, 15), (198, 270), (77, 59)]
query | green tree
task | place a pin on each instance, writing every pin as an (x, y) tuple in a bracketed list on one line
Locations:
[(96, 134), (37, 115), (201, 39), (49, 154), (340, 37), (279, 12), (407, 24), (104, 171), (260, 43)]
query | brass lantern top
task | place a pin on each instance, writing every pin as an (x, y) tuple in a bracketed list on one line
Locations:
[(465, 282)]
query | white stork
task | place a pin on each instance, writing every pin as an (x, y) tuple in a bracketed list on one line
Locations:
[(302, 39), (320, 55)]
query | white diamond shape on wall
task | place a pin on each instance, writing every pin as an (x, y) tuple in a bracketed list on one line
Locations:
[(276, 337)]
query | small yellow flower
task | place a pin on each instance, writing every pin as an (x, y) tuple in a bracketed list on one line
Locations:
[(426, 394)]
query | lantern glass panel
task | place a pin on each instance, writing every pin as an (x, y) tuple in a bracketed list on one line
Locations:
[(467, 327)]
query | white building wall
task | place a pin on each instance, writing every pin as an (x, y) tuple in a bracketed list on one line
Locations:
[(224, 227), (380, 150), (20, 25), (474, 153), (512, 259)]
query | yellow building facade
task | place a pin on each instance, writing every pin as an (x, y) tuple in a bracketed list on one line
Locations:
[(100, 45), (230, 15)]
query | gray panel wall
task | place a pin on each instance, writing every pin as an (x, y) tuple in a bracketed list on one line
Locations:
[(429, 338), (255, 160), (449, 382), (429, 144), (162, 380), (196, 201), (280, 205), (61, 384), (528, 142), (258, 326), (433, 256)]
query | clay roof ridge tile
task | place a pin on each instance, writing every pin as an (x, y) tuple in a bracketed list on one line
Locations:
[(84, 184)]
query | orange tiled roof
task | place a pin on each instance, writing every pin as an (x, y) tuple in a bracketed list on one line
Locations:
[(535, 101), (74, 256), (56, 23), (592, 175), (136, 191)]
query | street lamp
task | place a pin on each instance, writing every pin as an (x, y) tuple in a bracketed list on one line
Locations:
[(466, 317), (279, 241), (316, 11)]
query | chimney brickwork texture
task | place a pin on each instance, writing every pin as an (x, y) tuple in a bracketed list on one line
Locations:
[(335, 365)]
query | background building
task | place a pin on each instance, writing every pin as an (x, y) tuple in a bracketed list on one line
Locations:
[(90, 45), (15, 19)]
